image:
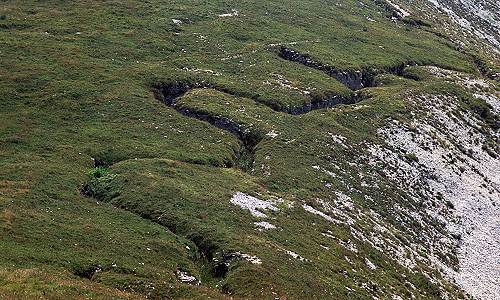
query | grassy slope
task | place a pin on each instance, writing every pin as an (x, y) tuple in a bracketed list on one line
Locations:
[(76, 83)]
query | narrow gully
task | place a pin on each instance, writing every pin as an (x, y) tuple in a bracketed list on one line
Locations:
[(353, 79)]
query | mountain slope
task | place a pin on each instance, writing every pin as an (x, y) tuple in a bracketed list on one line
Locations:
[(291, 149)]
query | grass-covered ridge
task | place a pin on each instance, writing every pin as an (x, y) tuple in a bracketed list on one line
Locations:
[(78, 80)]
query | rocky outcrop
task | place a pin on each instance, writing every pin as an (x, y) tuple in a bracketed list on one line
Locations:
[(168, 93), (478, 17), (446, 160), (353, 79), (322, 103)]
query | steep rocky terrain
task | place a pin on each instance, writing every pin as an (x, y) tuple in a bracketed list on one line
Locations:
[(478, 17), (468, 23), (299, 149)]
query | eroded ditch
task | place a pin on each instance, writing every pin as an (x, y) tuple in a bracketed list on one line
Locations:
[(353, 79), (170, 93), (208, 255), (249, 137)]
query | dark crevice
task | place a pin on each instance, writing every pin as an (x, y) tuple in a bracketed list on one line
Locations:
[(86, 271), (169, 93), (482, 67), (327, 102), (209, 253), (101, 163), (249, 138), (353, 79)]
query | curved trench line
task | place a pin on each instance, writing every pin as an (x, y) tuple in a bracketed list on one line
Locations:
[(208, 254), (170, 93), (354, 80)]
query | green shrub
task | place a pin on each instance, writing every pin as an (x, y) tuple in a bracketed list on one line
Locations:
[(98, 172), (99, 184)]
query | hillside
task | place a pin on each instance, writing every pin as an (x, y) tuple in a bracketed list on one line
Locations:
[(299, 149)]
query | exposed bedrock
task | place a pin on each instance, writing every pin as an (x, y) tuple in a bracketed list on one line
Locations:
[(168, 93), (353, 79), (327, 102)]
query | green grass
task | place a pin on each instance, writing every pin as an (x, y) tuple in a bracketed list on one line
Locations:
[(76, 80)]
